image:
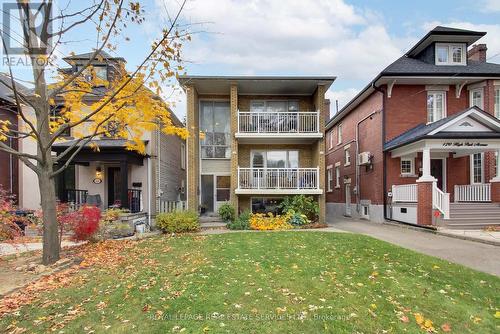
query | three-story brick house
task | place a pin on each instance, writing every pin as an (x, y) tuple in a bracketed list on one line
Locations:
[(419, 144), (255, 140)]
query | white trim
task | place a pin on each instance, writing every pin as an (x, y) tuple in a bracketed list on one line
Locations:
[(444, 111), (412, 166), (471, 99), (443, 88), (337, 177), (239, 191), (329, 178), (390, 86), (347, 154), (443, 176), (464, 115), (476, 85), (339, 134)]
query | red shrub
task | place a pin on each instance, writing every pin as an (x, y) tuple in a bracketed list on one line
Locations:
[(85, 222), (8, 227)]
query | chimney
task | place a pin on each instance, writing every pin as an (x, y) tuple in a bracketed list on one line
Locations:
[(327, 110), (477, 53)]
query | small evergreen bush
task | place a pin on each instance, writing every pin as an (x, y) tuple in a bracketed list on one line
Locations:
[(178, 221), (226, 212)]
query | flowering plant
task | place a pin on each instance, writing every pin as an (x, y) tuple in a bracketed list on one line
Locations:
[(262, 222)]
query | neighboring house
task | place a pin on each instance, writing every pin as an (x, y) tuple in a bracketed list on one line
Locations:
[(254, 140), (419, 144), (114, 176)]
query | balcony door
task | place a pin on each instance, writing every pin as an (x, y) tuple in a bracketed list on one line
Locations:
[(273, 169)]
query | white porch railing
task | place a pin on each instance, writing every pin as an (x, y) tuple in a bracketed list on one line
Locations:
[(473, 193), (404, 193), (278, 178), (169, 206), (303, 122), (441, 201)]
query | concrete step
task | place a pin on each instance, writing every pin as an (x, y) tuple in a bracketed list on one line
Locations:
[(212, 226), (471, 223), (466, 206), (210, 219), (475, 214)]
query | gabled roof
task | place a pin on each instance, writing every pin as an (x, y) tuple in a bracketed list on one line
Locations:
[(438, 129)]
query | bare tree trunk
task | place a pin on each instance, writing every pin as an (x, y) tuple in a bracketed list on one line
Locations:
[(50, 227)]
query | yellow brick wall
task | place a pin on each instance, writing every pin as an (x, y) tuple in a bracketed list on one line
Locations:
[(319, 156)]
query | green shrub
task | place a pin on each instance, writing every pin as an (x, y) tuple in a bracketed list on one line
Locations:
[(242, 222), (178, 221), (302, 205), (297, 219), (226, 212)]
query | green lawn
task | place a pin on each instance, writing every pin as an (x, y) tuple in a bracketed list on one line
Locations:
[(268, 283)]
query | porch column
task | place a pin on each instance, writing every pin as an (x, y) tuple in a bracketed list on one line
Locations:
[(424, 190), (124, 184), (495, 182)]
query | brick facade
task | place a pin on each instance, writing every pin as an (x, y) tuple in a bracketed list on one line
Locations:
[(9, 165)]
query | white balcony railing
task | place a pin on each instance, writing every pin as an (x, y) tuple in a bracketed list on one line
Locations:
[(278, 178), (302, 122), (441, 201), (473, 193), (404, 193)]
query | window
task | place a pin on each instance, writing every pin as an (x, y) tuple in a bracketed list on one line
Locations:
[(450, 54), (476, 98), (330, 139), (57, 119), (436, 106), (214, 124), (477, 175), (347, 157), (275, 159), (223, 188), (497, 102), (100, 72), (339, 134), (274, 106), (337, 176), (407, 166), (329, 177), (266, 205), (183, 156)]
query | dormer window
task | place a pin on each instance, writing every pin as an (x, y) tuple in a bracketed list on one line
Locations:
[(450, 54), (101, 71)]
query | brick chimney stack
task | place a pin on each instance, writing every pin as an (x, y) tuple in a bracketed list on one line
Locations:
[(477, 53)]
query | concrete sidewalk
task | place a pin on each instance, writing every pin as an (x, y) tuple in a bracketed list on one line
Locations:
[(8, 248), (476, 255)]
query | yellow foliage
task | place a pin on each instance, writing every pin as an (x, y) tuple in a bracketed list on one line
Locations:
[(262, 222)]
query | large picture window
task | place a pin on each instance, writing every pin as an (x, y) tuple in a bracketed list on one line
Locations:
[(436, 106), (274, 106), (215, 140), (266, 205), (275, 159)]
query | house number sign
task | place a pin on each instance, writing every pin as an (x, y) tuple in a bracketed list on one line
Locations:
[(464, 144)]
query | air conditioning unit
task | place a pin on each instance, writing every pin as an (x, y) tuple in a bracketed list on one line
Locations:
[(364, 158)]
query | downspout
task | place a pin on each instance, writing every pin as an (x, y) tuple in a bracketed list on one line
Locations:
[(358, 187), (149, 192), (384, 159)]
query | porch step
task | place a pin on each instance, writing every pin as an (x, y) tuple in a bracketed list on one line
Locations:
[(210, 219), (470, 224), (213, 226), (472, 216)]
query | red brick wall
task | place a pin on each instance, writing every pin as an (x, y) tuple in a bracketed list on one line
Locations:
[(370, 140)]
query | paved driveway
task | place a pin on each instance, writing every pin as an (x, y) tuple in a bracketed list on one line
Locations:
[(476, 255)]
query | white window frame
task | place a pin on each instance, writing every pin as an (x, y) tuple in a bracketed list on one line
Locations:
[(471, 99), (412, 166), (339, 134), (183, 156), (329, 178), (330, 139), (450, 54), (347, 156), (337, 175), (497, 102), (472, 169), (434, 93), (265, 102)]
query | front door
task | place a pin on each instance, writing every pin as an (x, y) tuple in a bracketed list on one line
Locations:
[(437, 171), (114, 186), (348, 199), (207, 193)]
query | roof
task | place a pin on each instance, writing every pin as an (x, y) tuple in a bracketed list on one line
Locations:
[(445, 34), (423, 131), (6, 92), (413, 68), (87, 55), (265, 85), (101, 143)]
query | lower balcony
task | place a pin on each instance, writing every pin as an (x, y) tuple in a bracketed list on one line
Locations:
[(279, 181)]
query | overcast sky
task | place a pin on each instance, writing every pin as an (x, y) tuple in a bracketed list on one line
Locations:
[(353, 40)]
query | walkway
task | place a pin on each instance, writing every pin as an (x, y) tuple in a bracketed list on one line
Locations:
[(476, 255)]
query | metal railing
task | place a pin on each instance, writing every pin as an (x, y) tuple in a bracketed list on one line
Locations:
[(169, 206), (134, 200), (75, 197), (441, 201), (473, 193), (301, 122), (404, 193), (278, 178)]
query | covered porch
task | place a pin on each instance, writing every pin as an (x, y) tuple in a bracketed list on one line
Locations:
[(449, 172), (112, 177)]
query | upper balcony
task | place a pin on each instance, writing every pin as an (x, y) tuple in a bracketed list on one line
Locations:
[(272, 125)]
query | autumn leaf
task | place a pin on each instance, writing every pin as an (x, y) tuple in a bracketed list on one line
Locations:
[(446, 327)]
